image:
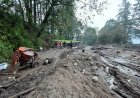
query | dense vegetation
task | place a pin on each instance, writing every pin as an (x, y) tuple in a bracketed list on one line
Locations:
[(35, 23), (12, 34)]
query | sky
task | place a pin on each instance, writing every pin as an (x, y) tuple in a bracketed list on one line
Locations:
[(110, 12), (1, 1)]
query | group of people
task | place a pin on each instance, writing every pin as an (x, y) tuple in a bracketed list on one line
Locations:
[(60, 44)]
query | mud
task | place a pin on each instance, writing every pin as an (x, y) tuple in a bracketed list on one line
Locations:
[(99, 72), (121, 71)]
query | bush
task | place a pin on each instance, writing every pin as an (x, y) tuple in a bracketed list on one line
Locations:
[(5, 51), (12, 36)]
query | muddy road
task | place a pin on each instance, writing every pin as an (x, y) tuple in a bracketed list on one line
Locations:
[(99, 72)]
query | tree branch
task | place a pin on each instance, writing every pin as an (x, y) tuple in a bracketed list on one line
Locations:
[(71, 13)]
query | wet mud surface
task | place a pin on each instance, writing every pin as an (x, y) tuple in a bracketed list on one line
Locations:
[(98, 72)]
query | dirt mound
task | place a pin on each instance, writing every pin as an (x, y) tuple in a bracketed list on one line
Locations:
[(69, 81)]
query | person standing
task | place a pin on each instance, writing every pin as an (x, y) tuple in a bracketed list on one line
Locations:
[(55, 44)]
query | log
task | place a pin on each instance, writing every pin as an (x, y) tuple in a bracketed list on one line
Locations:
[(23, 92), (6, 73)]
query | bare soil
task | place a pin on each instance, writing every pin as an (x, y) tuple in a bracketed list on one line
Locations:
[(99, 72)]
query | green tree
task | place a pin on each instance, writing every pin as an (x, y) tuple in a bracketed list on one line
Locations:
[(90, 36), (124, 16), (136, 19), (112, 32)]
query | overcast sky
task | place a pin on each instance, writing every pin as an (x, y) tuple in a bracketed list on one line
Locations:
[(109, 13), (98, 20)]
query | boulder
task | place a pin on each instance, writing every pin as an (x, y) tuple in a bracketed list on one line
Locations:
[(95, 79)]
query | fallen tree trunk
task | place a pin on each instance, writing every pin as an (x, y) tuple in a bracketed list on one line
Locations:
[(23, 92)]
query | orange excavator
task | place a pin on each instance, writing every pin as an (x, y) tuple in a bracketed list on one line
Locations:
[(23, 55)]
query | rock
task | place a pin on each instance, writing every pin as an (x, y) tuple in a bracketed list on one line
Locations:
[(66, 65), (94, 58), (97, 63), (82, 57), (75, 64), (83, 50), (94, 78), (112, 93), (90, 58), (84, 71), (46, 62), (91, 63), (40, 48), (118, 51), (129, 80), (68, 56), (74, 71), (137, 75), (94, 68), (95, 51), (87, 58), (12, 77), (115, 83), (133, 55)]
